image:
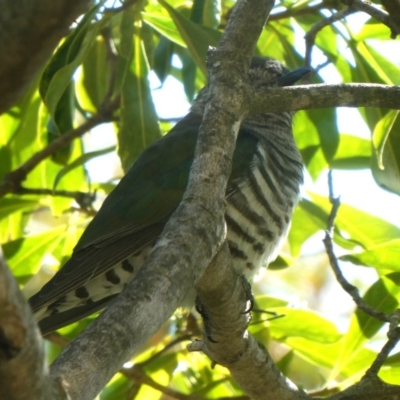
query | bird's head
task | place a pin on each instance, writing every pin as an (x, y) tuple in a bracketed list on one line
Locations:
[(263, 72), (270, 72)]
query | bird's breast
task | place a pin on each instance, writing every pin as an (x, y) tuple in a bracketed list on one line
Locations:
[(260, 206)]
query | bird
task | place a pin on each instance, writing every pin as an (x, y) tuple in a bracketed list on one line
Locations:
[(262, 192)]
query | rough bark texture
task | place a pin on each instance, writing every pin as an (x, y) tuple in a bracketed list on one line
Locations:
[(23, 373), (193, 235), (226, 340), (29, 32), (323, 96)]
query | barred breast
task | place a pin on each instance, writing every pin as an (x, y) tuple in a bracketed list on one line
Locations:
[(261, 203), (259, 209)]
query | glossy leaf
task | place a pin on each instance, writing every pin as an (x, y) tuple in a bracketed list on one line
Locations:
[(302, 323), (59, 72), (352, 153), (384, 257), (386, 160), (11, 205), (165, 26), (79, 162), (196, 37), (163, 58), (373, 29), (384, 296), (366, 229), (60, 123), (325, 355), (308, 140), (307, 220), (95, 76), (139, 123), (24, 256)]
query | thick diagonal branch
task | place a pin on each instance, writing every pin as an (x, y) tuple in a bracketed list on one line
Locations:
[(192, 236), (23, 374)]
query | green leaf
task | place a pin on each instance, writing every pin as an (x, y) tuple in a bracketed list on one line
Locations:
[(61, 123), (385, 257), (11, 205), (307, 220), (309, 143), (95, 77), (285, 36), (212, 13), (365, 229), (118, 388), (386, 160), (390, 374), (196, 37), (385, 70), (67, 58), (139, 122), (302, 323), (163, 58), (328, 133), (84, 158), (197, 11), (352, 153), (165, 26), (365, 72), (25, 255), (373, 29), (188, 73), (327, 41), (325, 355), (265, 302), (383, 296)]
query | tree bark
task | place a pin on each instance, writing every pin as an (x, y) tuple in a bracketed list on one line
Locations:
[(29, 33)]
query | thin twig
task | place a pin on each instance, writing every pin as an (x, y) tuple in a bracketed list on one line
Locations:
[(312, 33), (393, 339), (376, 13), (12, 180), (176, 341), (85, 200), (353, 6), (139, 377), (294, 12), (393, 319), (328, 242)]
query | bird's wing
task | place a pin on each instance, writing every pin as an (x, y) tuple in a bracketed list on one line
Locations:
[(134, 213), (91, 261), (57, 321)]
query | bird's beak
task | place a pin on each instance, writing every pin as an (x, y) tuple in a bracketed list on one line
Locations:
[(292, 77)]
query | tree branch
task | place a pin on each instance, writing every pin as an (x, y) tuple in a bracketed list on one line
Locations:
[(194, 233), (393, 319), (379, 15), (393, 8), (310, 97), (12, 181), (23, 374), (353, 6), (226, 340), (84, 200), (312, 33), (29, 32)]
